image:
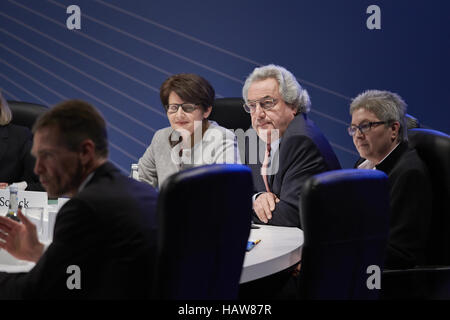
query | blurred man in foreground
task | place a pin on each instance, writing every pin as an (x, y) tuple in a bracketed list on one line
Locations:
[(104, 236)]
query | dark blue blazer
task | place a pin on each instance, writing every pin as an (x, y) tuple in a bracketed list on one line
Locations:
[(16, 162), (303, 152), (108, 230), (411, 207)]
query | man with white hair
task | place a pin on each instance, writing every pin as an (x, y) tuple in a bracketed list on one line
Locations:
[(295, 149), (379, 133)]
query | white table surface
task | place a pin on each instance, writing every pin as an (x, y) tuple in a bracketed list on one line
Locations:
[(280, 248), (10, 264)]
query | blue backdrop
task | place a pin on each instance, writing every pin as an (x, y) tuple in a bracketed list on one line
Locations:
[(126, 49)]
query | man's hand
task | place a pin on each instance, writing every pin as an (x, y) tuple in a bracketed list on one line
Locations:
[(3, 185), (20, 239), (264, 205)]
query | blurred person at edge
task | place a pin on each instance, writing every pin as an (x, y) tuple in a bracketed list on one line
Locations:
[(16, 162)]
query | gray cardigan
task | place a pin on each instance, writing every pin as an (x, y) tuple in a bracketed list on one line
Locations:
[(160, 160)]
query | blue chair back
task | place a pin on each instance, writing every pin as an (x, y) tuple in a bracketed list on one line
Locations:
[(433, 148), (204, 224), (345, 220)]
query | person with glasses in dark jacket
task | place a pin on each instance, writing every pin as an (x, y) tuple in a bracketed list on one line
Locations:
[(379, 132), (191, 140), (288, 150), (278, 107)]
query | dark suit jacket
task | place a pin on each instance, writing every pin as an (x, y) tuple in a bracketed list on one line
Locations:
[(109, 231), (16, 162), (303, 152), (411, 207)]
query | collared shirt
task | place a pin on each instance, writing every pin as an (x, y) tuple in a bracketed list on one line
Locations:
[(85, 182), (274, 146), (367, 164), (81, 187), (217, 145)]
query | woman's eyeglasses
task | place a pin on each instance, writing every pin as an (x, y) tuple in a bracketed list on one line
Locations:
[(187, 107), (365, 127)]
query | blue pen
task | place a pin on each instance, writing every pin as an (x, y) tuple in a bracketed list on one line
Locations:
[(252, 244)]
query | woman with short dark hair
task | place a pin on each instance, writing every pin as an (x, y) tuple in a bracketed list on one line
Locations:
[(191, 140)]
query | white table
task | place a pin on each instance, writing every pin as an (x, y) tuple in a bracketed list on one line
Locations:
[(10, 264), (280, 248)]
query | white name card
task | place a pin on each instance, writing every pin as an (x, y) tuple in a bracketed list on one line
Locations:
[(27, 199)]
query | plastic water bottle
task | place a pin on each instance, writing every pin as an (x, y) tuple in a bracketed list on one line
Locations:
[(13, 203), (134, 172)]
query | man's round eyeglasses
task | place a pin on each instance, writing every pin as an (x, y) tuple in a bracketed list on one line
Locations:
[(365, 127), (265, 104), (187, 107)]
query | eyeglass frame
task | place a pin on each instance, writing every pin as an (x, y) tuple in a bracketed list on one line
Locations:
[(182, 105), (248, 109), (367, 125)]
